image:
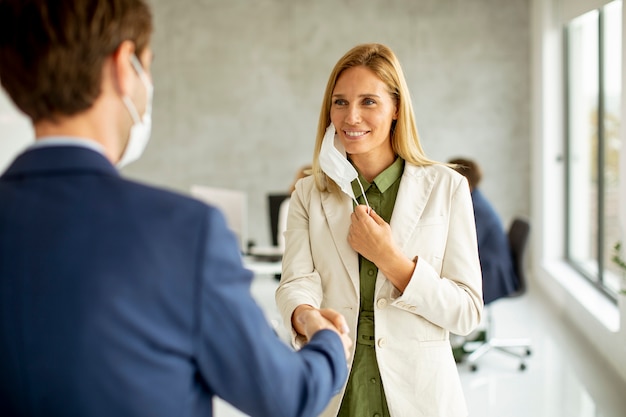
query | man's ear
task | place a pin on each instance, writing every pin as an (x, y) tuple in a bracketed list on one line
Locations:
[(124, 75)]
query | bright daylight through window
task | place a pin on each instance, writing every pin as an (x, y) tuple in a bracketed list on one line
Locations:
[(593, 96)]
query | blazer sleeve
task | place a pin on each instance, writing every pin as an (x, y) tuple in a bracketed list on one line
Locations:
[(450, 296), (239, 355), (300, 282)]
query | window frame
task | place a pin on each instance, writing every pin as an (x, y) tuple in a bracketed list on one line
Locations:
[(598, 280)]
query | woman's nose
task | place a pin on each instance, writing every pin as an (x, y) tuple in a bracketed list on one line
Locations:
[(353, 116)]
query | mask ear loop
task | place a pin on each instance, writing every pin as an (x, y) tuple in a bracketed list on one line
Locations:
[(131, 109), (134, 61), (364, 196)]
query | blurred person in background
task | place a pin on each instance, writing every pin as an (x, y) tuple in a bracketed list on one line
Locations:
[(496, 262), (499, 278)]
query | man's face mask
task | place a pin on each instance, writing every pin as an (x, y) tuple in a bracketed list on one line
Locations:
[(335, 164), (140, 131)]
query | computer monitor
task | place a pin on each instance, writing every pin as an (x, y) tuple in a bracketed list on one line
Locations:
[(234, 206)]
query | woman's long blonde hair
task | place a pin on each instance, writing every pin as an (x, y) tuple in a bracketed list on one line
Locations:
[(383, 62)]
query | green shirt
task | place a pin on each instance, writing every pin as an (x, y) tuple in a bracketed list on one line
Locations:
[(364, 395)]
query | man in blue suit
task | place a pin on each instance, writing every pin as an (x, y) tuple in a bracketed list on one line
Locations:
[(496, 261), (119, 299)]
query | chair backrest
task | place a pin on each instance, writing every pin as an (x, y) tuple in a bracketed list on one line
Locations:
[(274, 202), (518, 241)]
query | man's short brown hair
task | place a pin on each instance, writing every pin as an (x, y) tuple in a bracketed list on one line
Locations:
[(52, 52), (470, 169)]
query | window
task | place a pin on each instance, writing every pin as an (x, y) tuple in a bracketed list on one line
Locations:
[(593, 97)]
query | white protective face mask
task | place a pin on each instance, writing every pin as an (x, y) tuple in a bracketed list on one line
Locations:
[(335, 164), (140, 130)]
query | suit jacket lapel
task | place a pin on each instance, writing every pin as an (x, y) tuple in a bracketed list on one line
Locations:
[(337, 209)]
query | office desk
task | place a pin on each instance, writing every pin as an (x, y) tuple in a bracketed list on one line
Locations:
[(264, 289), (260, 267)]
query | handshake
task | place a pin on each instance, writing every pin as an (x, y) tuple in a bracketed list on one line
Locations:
[(308, 320)]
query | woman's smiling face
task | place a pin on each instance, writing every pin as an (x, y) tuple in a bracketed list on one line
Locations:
[(362, 111)]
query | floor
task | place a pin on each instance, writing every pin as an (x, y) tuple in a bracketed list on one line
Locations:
[(563, 377)]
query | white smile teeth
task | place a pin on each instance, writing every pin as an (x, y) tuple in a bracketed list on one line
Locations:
[(355, 134)]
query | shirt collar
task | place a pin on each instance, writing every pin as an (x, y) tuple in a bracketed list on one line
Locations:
[(50, 141), (383, 181)]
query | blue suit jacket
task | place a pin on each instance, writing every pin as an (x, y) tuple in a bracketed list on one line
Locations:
[(499, 278), (118, 299)]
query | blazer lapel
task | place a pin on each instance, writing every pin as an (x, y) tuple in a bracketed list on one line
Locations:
[(337, 209), (415, 189)]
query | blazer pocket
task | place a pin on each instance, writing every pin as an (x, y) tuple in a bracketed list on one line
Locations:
[(431, 220), (430, 238)]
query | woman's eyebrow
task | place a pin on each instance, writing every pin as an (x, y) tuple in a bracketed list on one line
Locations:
[(360, 95)]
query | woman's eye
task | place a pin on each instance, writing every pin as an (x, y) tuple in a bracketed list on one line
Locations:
[(368, 101), (340, 102)]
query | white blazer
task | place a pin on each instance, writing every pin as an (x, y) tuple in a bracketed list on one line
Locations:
[(432, 219)]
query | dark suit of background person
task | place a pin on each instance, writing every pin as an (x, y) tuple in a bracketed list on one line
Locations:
[(499, 278), (120, 299)]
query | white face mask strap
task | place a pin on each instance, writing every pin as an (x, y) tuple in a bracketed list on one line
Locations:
[(131, 109), (364, 196), (134, 61)]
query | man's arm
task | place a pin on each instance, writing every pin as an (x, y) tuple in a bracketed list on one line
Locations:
[(239, 354)]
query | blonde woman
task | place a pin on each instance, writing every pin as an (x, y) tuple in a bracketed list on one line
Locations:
[(385, 236)]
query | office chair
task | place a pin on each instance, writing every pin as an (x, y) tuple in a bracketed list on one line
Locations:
[(274, 202), (518, 238)]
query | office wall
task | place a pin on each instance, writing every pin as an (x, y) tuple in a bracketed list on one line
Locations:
[(15, 131), (238, 86)]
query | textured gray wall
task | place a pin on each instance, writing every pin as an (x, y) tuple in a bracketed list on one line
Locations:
[(239, 85)]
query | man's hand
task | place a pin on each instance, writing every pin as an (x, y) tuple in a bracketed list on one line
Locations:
[(308, 320)]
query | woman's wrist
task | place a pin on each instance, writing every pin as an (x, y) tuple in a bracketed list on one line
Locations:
[(399, 269)]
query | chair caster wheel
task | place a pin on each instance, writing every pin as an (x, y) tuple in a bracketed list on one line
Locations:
[(473, 368), (522, 366), (528, 352)]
